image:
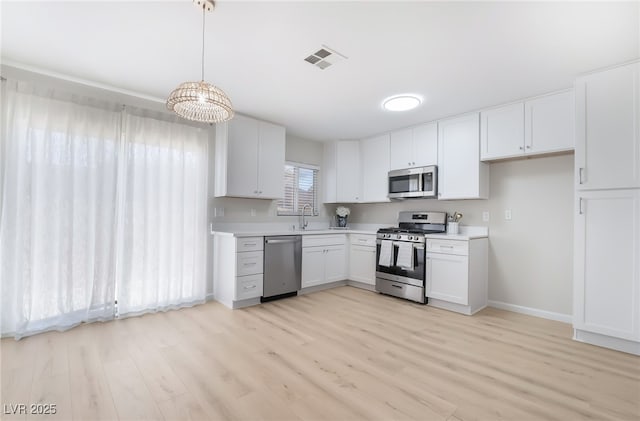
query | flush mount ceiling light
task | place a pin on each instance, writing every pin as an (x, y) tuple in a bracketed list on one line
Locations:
[(404, 102), (201, 101)]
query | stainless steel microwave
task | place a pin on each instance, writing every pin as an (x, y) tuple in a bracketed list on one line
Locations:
[(421, 182)]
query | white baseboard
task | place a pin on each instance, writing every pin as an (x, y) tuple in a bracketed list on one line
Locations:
[(566, 318)]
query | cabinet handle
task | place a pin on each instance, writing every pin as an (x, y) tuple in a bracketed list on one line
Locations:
[(528, 147), (446, 247), (580, 173), (520, 147), (580, 211), (249, 244), (260, 192), (255, 192), (251, 287)]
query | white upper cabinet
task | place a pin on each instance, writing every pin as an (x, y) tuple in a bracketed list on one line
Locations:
[(502, 132), (608, 129), (461, 175), (414, 147), (374, 160), (401, 152), (249, 159), (549, 123), (537, 126), (271, 157), (342, 171)]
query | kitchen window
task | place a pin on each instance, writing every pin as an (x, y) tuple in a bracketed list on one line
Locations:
[(300, 188)]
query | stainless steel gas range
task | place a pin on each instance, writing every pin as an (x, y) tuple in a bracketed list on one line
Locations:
[(401, 254)]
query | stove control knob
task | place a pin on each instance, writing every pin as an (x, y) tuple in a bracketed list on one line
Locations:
[(398, 236), (411, 237)]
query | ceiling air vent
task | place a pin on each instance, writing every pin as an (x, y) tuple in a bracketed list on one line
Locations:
[(324, 57)]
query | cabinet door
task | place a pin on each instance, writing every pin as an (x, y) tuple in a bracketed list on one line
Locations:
[(374, 159), (425, 144), (549, 123), (447, 278), (461, 175), (362, 264), (607, 263), (242, 158), (312, 266), (502, 132), (335, 264), (348, 171), (329, 171), (607, 129), (401, 151), (271, 161)]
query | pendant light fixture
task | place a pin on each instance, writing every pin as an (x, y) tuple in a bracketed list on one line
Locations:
[(201, 101)]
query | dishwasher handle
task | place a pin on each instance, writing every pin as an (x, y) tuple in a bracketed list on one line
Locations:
[(283, 241)]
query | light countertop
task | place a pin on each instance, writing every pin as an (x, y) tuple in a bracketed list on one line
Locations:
[(465, 233)]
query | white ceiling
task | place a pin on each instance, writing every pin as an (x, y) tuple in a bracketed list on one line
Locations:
[(459, 56)]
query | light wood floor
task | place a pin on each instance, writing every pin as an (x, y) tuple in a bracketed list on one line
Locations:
[(339, 354)]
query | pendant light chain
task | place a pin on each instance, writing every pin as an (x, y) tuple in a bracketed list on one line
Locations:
[(204, 5), (201, 101)]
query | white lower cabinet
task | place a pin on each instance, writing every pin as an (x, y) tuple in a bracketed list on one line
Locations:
[(607, 269), (324, 259), (237, 270), (448, 278), (457, 274), (362, 258)]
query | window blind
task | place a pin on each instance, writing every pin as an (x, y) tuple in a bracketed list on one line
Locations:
[(300, 189)]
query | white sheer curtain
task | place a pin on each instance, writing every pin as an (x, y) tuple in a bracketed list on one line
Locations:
[(59, 165), (162, 260), (92, 212)]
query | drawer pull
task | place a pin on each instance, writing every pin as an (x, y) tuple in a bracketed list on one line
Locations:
[(249, 264), (250, 287), (363, 240), (250, 244)]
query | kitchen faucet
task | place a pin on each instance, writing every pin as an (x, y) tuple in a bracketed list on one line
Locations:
[(304, 223)]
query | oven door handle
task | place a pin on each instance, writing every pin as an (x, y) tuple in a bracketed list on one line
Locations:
[(418, 246)]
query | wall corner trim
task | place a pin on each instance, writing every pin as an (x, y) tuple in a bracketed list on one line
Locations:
[(544, 314)]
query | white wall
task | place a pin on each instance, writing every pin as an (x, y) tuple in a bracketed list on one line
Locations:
[(531, 256)]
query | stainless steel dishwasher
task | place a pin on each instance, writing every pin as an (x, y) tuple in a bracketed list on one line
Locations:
[(282, 267)]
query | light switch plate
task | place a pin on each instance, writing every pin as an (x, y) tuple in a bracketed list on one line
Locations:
[(485, 216), (507, 214)]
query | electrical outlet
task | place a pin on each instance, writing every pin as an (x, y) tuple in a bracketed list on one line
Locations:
[(485, 216), (507, 215), (253, 212)]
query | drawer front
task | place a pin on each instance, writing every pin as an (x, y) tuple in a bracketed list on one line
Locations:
[(249, 263), (323, 240), (459, 247), (363, 240), (248, 287), (249, 244)]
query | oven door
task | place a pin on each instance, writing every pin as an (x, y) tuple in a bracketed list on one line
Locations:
[(410, 276)]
